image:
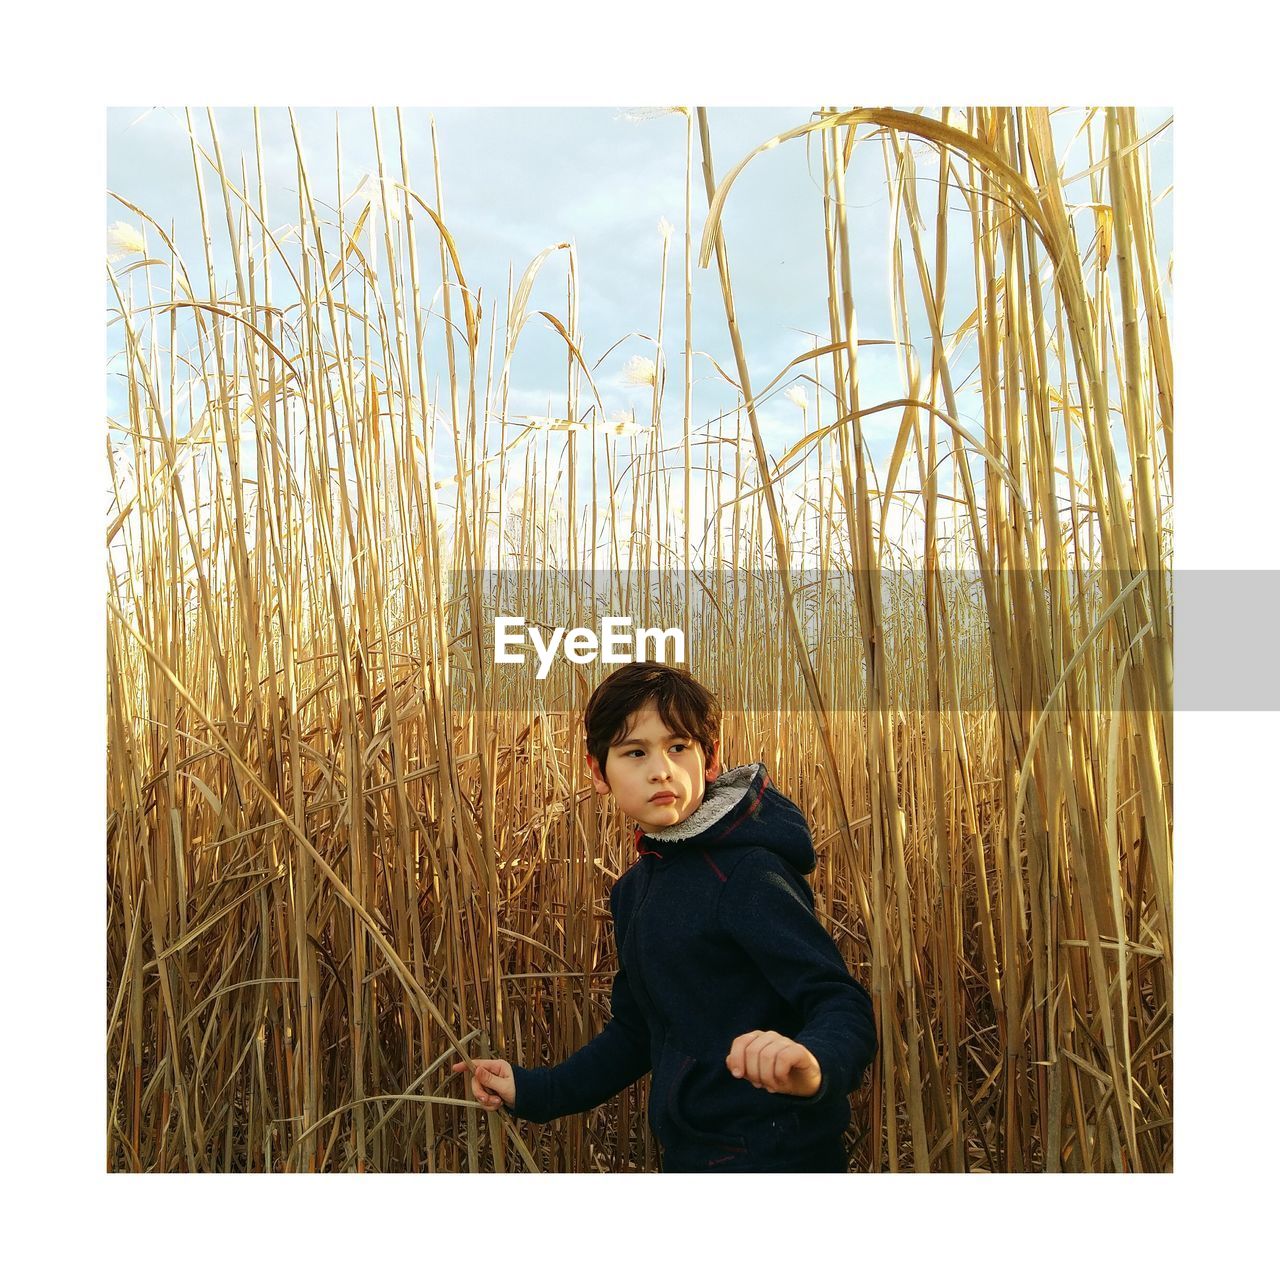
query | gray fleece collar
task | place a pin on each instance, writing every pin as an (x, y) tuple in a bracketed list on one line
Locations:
[(717, 801)]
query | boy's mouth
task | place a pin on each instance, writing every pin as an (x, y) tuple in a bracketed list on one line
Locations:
[(663, 797)]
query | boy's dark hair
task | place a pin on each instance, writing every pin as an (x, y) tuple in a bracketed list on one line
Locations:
[(684, 705)]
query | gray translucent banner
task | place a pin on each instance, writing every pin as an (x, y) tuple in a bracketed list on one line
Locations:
[(1227, 622), (546, 631)]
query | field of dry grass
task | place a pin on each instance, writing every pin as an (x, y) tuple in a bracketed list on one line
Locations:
[(342, 845)]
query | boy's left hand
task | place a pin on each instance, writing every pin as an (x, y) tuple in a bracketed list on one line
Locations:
[(771, 1061)]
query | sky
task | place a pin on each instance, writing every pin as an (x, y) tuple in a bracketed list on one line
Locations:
[(518, 180)]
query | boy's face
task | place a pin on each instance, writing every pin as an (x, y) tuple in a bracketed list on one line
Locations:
[(657, 776)]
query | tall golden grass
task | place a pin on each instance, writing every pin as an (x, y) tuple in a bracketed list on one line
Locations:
[(343, 848)]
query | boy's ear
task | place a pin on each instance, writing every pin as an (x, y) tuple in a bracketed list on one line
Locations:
[(713, 765), (599, 781)]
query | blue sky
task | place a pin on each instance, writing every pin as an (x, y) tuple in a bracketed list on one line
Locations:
[(517, 180)]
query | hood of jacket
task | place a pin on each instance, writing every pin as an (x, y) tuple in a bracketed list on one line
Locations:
[(741, 808)]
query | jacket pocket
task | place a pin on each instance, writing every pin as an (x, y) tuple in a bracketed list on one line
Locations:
[(688, 1124)]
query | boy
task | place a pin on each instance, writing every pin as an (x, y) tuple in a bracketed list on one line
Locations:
[(728, 987)]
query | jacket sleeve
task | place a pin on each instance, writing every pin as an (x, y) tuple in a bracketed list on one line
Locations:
[(769, 913), (604, 1066)]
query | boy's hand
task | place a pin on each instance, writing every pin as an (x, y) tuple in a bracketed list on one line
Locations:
[(493, 1083), (771, 1061)]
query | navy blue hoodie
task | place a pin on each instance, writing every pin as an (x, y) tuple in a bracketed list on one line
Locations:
[(716, 936)]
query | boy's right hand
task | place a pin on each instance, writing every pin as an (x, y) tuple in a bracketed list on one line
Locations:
[(493, 1082)]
